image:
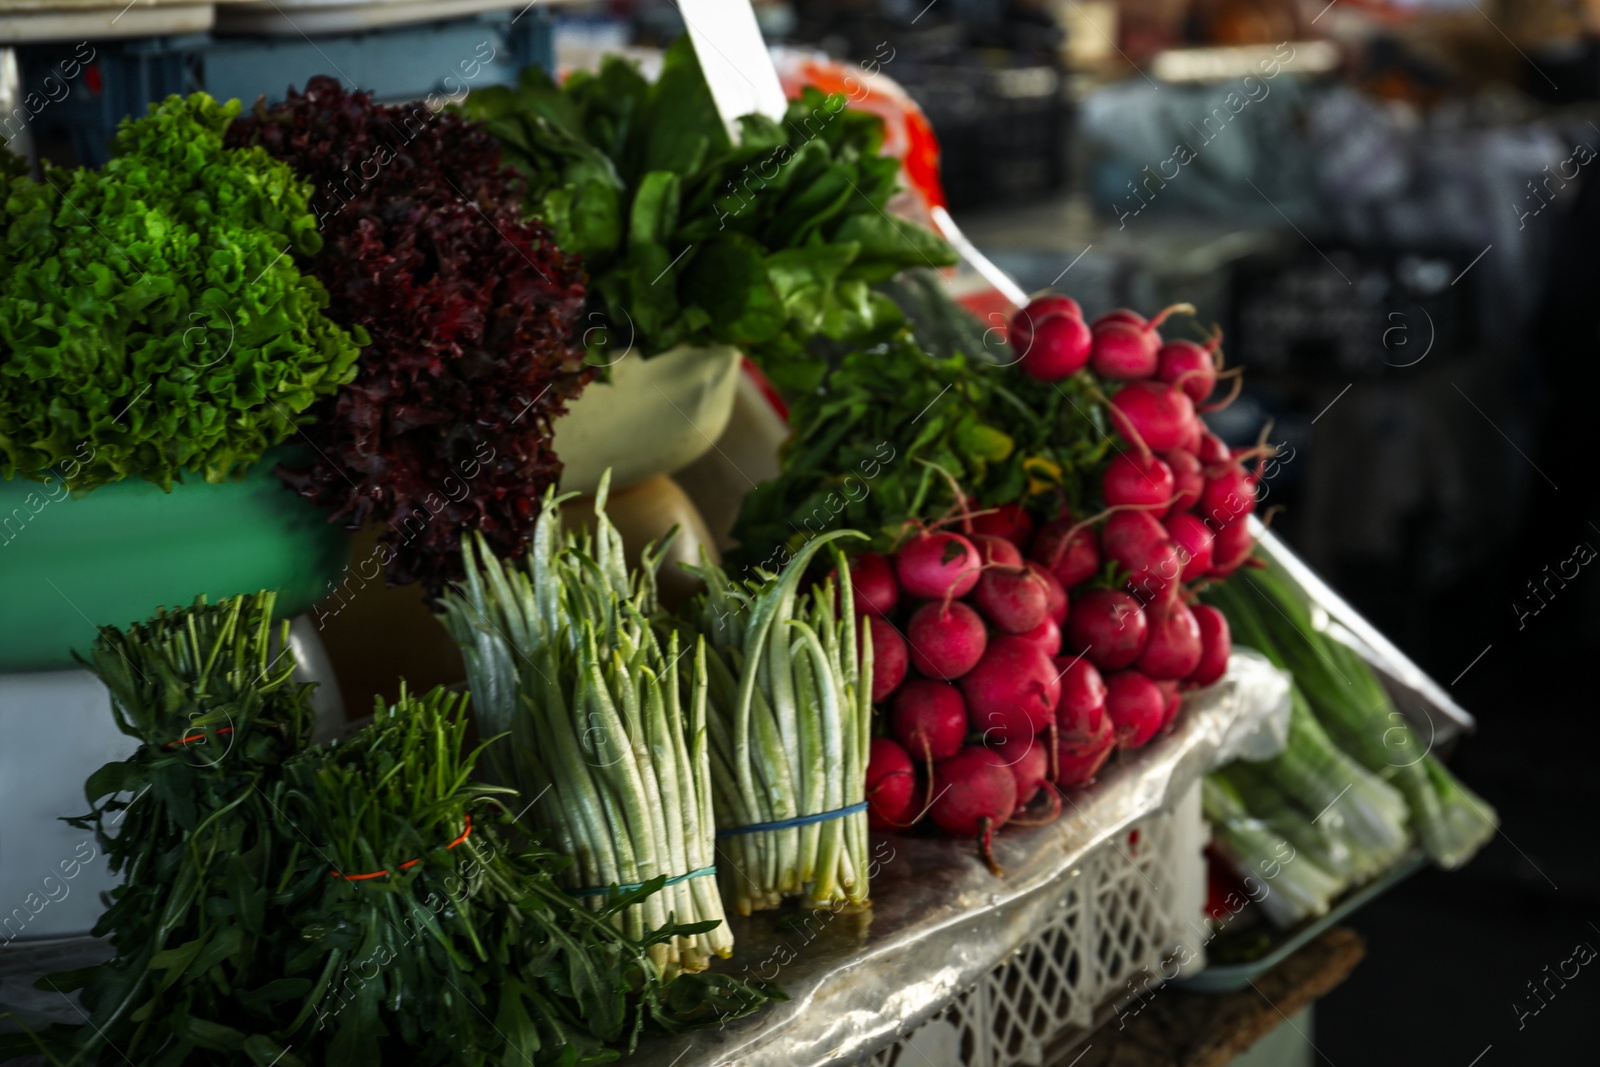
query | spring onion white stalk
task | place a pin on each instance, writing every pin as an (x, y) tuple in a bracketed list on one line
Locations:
[(607, 722), (1296, 888), (789, 712)]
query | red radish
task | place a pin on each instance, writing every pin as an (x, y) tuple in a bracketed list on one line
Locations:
[(1230, 493), (1194, 541), (929, 719), (1109, 626), (1216, 643), (1047, 635), (1122, 352), (1135, 707), (994, 549), (1230, 547), (1027, 320), (1055, 597), (889, 656), (1122, 315), (1212, 452), (1077, 762), (1030, 766), (1013, 599), (1031, 771), (1010, 521), (1191, 439), (1059, 348), (1125, 345), (891, 785), (1082, 706), (1156, 415), (1070, 561), (1130, 479), (1192, 367), (1171, 702), (1188, 477), (872, 584), (973, 797), (946, 640), (932, 566), (1172, 650), (1139, 545), (1012, 692)]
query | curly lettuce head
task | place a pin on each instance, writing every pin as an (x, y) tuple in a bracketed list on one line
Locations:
[(153, 318)]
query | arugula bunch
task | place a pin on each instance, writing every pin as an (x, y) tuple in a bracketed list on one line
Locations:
[(872, 447), (356, 903), (691, 238), (151, 313)]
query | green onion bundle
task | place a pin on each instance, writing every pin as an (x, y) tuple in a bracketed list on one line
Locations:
[(607, 724), (790, 715), (1324, 841), (1450, 820), (1296, 887)]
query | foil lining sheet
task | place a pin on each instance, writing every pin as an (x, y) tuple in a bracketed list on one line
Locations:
[(941, 920)]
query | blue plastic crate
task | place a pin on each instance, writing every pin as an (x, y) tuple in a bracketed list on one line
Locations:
[(395, 63)]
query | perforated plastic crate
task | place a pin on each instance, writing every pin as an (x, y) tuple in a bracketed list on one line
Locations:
[(1132, 903)]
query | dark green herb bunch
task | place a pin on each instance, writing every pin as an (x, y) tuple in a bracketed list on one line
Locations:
[(692, 238), (894, 431), (151, 312), (358, 903)]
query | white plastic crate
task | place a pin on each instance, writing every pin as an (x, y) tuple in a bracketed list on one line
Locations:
[(1131, 904)]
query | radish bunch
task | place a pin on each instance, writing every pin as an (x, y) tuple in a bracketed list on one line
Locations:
[(1007, 667)]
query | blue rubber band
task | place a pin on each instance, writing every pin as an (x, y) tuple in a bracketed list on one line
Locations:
[(602, 890), (799, 820)]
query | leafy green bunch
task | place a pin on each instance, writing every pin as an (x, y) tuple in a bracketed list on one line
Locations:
[(153, 309), (691, 238), (358, 903), (893, 434)]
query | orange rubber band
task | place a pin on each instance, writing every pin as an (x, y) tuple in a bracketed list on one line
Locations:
[(408, 863), (197, 737)]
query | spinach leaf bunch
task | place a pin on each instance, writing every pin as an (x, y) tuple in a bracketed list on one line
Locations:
[(692, 237)]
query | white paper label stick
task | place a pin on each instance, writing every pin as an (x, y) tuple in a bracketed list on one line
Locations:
[(734, 56)]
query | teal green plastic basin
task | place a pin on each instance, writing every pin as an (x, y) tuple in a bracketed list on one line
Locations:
[(113, 556)]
